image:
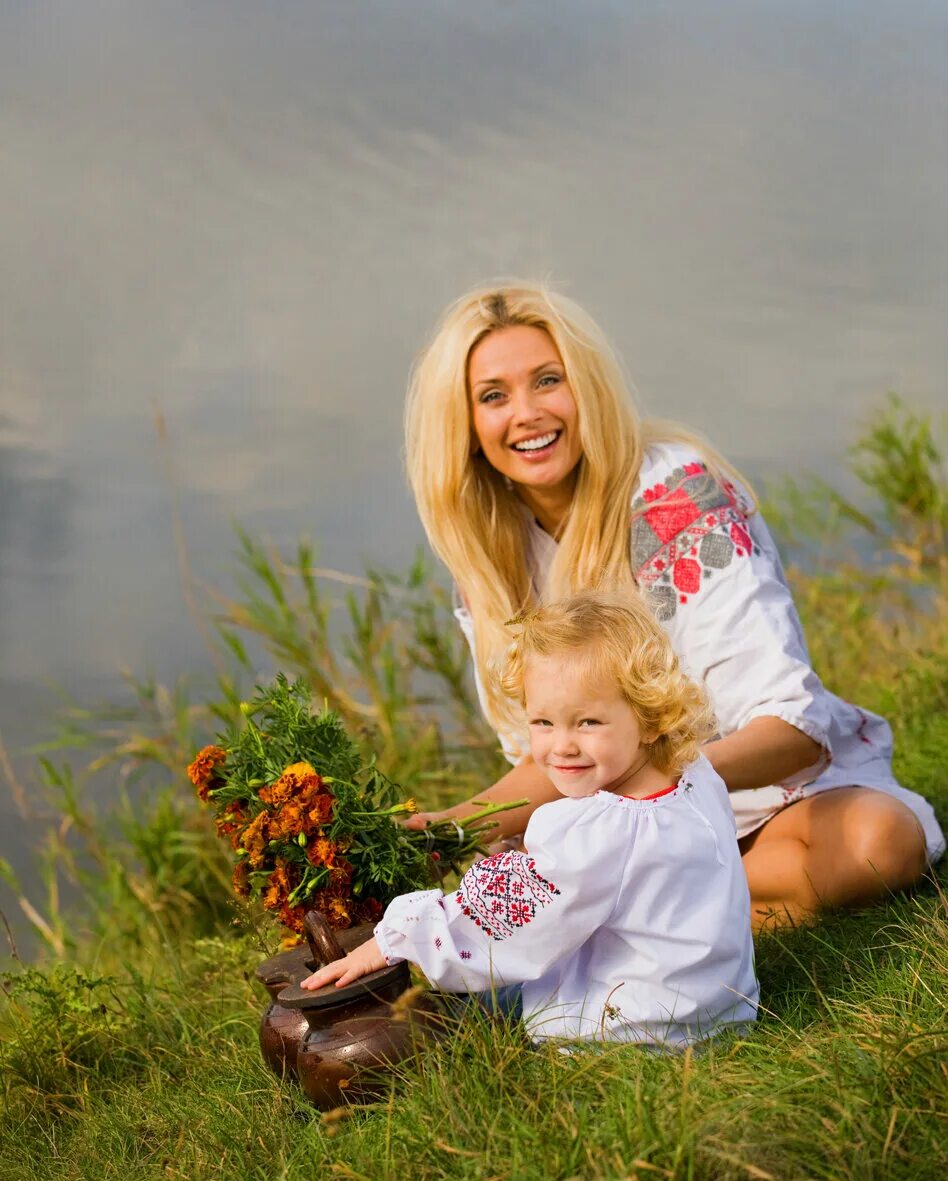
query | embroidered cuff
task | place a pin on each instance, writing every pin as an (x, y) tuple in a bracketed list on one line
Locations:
[(811, 729), (385, 947)]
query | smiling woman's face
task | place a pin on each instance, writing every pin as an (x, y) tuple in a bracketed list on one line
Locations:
[(523, 411)]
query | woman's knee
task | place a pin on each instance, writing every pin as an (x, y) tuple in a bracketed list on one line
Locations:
[(886, 842)]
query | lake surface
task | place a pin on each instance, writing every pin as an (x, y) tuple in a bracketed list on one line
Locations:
[(245, 219)]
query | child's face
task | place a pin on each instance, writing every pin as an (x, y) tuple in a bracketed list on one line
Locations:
[(584, 735)]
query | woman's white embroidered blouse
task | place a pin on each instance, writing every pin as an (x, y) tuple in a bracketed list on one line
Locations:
[(714, 575), (626, 920)]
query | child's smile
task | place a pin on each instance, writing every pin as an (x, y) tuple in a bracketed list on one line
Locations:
[(585, 735)]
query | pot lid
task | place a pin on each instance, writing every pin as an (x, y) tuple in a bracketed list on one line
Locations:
[(294, 997)]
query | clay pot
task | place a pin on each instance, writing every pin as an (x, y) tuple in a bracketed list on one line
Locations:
[(282, 1029), (340, 1042)]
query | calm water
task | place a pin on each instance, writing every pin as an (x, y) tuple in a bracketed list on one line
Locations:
[(246, 217)]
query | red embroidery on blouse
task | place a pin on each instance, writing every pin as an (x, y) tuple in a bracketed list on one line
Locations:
[(655, 795), (863, 723), (503, 892), (683, 530)]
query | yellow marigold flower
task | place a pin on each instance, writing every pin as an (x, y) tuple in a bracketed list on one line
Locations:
[(398, 809), (299, 770)]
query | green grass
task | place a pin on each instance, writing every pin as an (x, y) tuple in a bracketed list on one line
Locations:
[(157, 1074), (130, 1049)]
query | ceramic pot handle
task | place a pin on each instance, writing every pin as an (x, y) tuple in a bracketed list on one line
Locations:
[(322, 942)]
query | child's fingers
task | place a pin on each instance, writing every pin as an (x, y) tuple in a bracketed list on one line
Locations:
[(353, 973), (423, 819), (324, 976)]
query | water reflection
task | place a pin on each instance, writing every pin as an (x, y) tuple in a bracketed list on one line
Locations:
[(246, 217)]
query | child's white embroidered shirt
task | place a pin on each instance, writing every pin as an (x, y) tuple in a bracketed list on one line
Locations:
[(625, 920), (714, 577)]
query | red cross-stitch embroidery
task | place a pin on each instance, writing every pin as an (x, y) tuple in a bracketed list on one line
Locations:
[(503, 892), (683, 530), (863, 723)]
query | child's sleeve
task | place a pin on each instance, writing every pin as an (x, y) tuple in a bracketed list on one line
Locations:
[(714, 578), (514, 914)]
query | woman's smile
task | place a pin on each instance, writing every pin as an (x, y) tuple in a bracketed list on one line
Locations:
[(536, 447)]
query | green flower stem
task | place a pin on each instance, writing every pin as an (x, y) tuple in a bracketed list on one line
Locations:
[(491, 810)]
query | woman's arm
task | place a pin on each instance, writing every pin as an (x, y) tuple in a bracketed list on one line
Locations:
[(765, 751), (717, 584), (525, 781)]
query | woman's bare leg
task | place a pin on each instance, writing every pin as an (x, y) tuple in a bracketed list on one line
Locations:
[(846, 847)]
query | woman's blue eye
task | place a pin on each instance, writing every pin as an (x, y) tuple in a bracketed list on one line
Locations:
[(549, 377), (489, 396)]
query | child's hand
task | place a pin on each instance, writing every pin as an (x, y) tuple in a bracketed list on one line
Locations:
[(423, 819), (365, 959)]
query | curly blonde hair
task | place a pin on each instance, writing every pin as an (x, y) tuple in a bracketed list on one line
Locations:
[(618, 640)]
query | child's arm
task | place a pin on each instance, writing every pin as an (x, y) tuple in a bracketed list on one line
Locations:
[(512, 916), (515, 914)]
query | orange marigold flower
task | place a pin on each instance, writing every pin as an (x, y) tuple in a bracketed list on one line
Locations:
[(340, 875), (337, 914), (334, 901), (280, 884), (318, 812), (369, 910), (232, 822), (202, 771), (288, 823), (322, 852), (292, 917), (240, 878), (254, 839), (299, 781)]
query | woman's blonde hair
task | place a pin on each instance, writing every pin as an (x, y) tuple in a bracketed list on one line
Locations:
[(617, 641), (474, 520)]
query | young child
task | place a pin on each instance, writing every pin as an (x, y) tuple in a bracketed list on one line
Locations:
[(628, 918)]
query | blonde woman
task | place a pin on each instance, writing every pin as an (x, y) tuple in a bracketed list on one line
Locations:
[(535, 479)]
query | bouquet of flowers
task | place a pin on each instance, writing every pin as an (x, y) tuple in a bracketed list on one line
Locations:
[(313, 827)]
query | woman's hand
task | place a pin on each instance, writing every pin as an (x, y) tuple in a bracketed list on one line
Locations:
[(365, 959)]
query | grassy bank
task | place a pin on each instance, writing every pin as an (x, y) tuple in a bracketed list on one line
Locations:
[(130, 1050)]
